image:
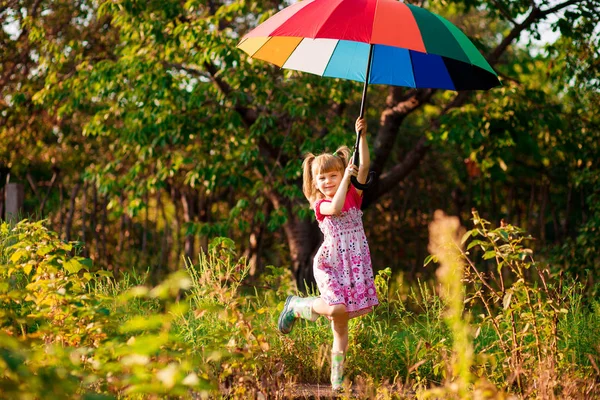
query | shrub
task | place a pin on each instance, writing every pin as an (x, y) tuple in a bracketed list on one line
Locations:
[(60, 338), (494, 325)]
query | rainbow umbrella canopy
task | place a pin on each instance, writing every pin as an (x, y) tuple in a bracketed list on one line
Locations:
[(388, 41), (371, 41)]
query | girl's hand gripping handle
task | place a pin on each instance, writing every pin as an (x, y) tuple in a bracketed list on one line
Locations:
[(361, 127)]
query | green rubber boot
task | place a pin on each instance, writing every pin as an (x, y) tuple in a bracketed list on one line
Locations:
[(337, 371), (296, 307)]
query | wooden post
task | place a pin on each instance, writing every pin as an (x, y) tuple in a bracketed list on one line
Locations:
[(14, 195)]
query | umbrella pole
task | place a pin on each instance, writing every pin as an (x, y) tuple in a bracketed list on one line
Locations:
[(363, 103)]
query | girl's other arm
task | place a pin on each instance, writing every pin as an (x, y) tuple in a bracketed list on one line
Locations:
[(337, 203), (365, 160)]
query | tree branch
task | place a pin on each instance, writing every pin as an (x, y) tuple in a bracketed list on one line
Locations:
[(249, 115), (504, 12), (559, 7), (397, 173), (400, 108), (52, 181), (400, 104), (32, 184), (535, 15), (190, 70)]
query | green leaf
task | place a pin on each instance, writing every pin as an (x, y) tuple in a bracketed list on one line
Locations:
[(17, 255), (429, 259), (489, 254), (506, 300), (106, 274), (43, 250), (465, 237), (475, 243), (143, 323), (73, 266)]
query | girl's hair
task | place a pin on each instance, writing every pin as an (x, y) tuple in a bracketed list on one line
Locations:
[(315, 165)]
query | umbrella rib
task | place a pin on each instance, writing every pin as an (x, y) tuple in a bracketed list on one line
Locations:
[(263, 45), (292, 52), (331, 57), (327, 20), (412, 68), (373, 25)]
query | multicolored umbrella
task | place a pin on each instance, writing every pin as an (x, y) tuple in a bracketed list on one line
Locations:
[(371, 41)]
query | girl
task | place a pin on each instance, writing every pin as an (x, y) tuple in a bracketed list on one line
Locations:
[(342, 266)]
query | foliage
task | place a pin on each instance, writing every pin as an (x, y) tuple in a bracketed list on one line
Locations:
[(62, 336), (153, 108), (228, 327), (524, 305), (207, 332)]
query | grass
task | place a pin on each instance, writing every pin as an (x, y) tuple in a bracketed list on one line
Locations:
[(205, 332)]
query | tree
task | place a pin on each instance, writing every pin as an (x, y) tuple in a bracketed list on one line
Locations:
[(173, 118)]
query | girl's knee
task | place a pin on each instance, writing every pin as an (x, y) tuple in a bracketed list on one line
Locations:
[(339, 324), (339, 312)]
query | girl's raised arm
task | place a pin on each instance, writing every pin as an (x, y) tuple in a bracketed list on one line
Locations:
[(365, 160)]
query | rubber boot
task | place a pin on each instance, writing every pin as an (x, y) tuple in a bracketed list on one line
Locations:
[(337, 371), (296, 307)]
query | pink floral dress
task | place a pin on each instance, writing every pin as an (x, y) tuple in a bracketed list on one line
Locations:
[(342, 265)]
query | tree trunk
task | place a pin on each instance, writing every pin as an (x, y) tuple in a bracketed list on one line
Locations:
[(33, 186), (530, 220), (176, 224), (166, 240), (495, 213), (568, 211), (122, 224), (94, 221), (14, 199), (203, 217), (145, 228), (254, 249), (103, 252), (130, 238), (2, 202), (542, 216), (61, 199), (304, 239), (510, 205), (69, 222), (187, 203), (584, 216), (52, 181), (83, 220)]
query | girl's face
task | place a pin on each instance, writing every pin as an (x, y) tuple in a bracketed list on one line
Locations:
[(328, 182)]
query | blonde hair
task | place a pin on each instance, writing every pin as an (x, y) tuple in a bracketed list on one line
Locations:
[(315, 165)]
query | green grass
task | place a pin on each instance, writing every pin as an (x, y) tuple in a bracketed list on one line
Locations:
[(207, 332)]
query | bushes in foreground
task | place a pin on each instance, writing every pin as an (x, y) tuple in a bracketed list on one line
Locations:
[(496, 323)]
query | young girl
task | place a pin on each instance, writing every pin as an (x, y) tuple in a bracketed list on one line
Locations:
[(342, 266)]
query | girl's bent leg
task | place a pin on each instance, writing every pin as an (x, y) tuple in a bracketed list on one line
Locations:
[(296, 307), (319, 306)]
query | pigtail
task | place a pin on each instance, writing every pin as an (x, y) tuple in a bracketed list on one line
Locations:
[(308, 185), (344, 153)]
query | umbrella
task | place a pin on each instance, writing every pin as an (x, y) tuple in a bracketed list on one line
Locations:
[(371, 41)]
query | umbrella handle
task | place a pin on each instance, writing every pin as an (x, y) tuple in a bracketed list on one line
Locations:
[(363, 186)]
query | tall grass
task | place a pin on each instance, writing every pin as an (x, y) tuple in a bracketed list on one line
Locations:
[(496, 324)]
